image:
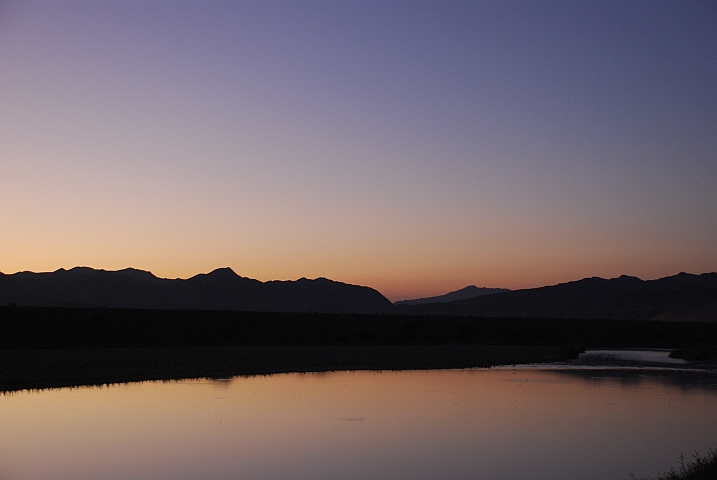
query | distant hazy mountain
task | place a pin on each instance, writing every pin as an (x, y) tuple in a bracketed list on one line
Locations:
[(680, 297), (221, 289), (467, 292)]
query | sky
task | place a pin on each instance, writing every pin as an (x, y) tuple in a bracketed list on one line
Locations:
[(414, 147)]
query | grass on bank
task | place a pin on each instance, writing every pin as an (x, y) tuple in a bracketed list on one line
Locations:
[(702, 467)]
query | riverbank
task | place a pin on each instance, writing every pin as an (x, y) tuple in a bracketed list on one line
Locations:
[(66, 328), (57, 347), (53, 368), (702, 467)]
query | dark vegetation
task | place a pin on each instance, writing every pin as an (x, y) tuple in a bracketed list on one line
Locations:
[(702, 467), (42, 347), (36, 328), (697, 354), (47, 368)]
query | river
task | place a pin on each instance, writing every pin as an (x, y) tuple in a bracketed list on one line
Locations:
[(604, 416)]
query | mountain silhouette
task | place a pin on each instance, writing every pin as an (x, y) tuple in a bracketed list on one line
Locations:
[(221, 289), (680, 297), (466, 292)]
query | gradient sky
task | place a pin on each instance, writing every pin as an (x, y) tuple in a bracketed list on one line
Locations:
[(415, 147)]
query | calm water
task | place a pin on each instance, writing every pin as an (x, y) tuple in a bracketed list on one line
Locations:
[(582, 420)]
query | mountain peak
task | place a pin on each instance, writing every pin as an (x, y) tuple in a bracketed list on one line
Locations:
[(137, 274), (464, 293), (225, 272), (625, 279)]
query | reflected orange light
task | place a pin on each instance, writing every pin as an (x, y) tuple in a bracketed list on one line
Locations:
[(502, 423)]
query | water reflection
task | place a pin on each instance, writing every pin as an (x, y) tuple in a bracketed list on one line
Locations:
[(529, 423), (633, 367)]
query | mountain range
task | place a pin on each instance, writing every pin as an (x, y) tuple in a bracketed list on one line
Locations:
[(221, 289), (679, 297), (466, 292)]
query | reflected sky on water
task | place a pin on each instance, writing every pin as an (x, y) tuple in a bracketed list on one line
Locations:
[(576, 420)]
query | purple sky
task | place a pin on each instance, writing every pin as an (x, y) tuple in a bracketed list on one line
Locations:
[(415, 147)]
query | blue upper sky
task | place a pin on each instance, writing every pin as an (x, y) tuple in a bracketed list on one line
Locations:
[(415, 147)]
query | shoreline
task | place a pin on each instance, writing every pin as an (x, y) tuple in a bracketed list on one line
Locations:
[(65, 347), (38, 369)]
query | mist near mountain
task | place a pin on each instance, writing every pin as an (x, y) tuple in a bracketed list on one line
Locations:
[(466, 292)]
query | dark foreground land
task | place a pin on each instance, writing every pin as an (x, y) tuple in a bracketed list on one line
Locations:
[(701, 467), (50, 368), (54, 347)]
